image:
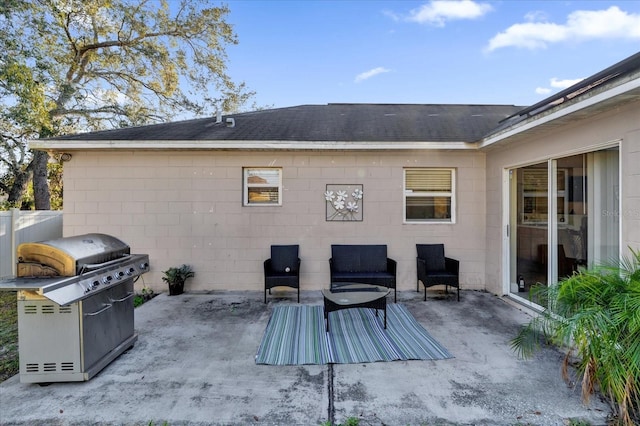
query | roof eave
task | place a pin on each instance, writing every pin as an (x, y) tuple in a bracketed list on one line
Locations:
[(254, 145), (562, 111)]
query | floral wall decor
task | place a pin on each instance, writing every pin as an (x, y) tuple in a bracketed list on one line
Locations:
[(344, 202)]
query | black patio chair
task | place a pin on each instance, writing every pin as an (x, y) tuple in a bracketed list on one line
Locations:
[(282, 269), (436, 269)]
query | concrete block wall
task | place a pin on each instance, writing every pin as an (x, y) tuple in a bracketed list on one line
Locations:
[(186, 207)]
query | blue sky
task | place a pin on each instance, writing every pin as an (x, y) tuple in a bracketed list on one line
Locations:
[(467, 52)]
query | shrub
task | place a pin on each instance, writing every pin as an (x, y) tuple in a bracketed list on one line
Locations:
[(596, 315)]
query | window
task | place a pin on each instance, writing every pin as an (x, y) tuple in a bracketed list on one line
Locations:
[(262, 186), (534, 193), (429, 195)]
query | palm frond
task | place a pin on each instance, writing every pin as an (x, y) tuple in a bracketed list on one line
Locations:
[(595, 314)]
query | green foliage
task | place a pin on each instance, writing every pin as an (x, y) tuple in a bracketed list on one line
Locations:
[(82, 65), (106, 63), (8, 205), (351, 421), (54, 176), (596, 315), (145, 295), (8, 335), (177, 276), (30, 105), (577, 422)]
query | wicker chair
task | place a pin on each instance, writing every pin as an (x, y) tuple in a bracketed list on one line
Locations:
[(436, 269), (282, 269)]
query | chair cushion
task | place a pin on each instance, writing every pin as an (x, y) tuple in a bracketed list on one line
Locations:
[(359, 258), (441, 278), (283, 257), (345, 258), (433, 255), (358, 276), (373, 258)]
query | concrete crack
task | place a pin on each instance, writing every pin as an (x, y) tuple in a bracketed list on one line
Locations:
[(331, 409)]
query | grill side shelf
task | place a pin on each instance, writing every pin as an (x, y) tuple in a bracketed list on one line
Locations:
[(32, 283)]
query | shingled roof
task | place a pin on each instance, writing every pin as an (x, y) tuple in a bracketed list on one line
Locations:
[(332, 122)]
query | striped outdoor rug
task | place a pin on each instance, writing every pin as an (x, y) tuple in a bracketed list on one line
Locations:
[(296, 334)]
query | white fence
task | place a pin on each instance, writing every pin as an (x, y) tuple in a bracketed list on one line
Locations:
[(18, 226)]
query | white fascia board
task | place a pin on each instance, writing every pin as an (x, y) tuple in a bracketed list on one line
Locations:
[(593, 100), (76, 145)]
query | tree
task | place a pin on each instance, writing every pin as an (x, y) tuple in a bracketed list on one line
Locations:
[(82, 65)]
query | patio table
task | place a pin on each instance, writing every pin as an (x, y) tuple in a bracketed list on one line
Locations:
[(354, 295)]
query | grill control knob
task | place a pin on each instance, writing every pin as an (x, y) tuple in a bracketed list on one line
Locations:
[(130, 271), (119, 275), (107, 279), (144, 265), (95, 284)]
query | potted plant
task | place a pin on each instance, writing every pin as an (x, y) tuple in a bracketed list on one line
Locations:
[(176, 278)]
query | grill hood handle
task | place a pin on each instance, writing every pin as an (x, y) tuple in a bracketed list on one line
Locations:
[(92, 266)]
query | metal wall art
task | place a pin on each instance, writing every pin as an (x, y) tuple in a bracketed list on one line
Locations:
[(344, 202)]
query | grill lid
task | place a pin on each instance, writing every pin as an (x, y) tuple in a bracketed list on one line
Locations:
[(71, 256)]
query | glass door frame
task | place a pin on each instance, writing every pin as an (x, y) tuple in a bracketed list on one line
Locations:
[(508, 211), (510, 215)]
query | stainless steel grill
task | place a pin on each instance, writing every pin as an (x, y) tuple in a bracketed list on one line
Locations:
[(75, 305)]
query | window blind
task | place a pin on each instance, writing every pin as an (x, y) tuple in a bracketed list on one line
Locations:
[(433, 180)]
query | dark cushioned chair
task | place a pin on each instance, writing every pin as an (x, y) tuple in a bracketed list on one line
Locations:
[(282, 269), (436, 269)]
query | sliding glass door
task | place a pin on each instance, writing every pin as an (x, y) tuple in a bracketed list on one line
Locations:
[(529, 218), (563, 215), (604, 240)]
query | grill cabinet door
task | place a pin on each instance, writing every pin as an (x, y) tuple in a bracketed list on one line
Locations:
[(122, 299), (107, 321)]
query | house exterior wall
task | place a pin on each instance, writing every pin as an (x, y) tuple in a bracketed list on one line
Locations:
[(621, 125), (186, 207)]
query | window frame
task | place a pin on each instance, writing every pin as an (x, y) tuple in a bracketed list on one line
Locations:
[(246, 186), (450, 194)]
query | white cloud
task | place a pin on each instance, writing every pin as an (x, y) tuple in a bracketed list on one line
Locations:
[(535, 16), (557, 84), (563, 84), (371, 73), (580, 25), (530, 35), (438, 12)]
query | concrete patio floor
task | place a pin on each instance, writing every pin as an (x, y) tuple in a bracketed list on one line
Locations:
[(193, 364)]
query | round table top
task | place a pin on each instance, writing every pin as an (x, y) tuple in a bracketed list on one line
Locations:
[(355, 293)]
